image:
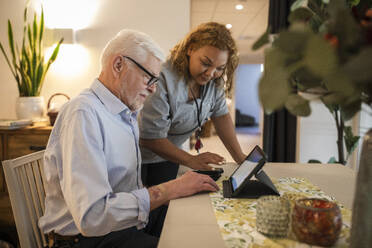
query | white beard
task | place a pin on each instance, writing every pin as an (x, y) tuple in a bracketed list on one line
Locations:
[(137, 105)]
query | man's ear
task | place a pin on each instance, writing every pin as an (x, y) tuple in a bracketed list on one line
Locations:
[(118, 65)]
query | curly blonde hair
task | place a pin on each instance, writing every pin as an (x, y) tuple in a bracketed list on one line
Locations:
[(206, 34)]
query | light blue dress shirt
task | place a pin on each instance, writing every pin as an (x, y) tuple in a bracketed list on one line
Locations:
[(92, 168)]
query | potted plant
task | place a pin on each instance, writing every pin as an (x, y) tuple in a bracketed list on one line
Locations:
[(326, 51), (310, 58), (29, 66)]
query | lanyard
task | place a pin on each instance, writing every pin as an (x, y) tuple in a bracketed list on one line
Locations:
[(198, 144)]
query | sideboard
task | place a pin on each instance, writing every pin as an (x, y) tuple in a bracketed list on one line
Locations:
[(15, 143)]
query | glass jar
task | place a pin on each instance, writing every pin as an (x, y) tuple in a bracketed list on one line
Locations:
[(272, 216), (316, 221)]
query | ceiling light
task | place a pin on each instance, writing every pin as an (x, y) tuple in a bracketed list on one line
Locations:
[(239, 7), (228, 26)]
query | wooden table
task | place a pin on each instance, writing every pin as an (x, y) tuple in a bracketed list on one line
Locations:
[(190, 221)]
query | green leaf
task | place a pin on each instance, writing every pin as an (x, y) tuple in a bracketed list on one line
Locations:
[(274, 79), (55, 52), (29, 36), (38, 78), (351, 141), (41, 32), (349, 110), (297, 105), (358, 68), (333, 98), (33, 69), (344, 26), (263, 40), (25, 15), (34, 37), (320, 57), (7, 60), (51, 60), (300, 15), (338, 83), (305, 79), (292, 42), (11, 43), (332, 160)]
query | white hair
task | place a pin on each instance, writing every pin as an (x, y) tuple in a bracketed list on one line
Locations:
[(134, 44)]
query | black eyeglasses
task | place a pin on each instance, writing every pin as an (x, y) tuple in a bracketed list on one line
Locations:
[(153, 79)]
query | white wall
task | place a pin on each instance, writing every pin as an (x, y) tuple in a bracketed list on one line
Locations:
[(318, 135), (365, 124), (246, 90), (167, 21)]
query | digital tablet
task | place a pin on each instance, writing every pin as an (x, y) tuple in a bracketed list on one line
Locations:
[(240, 179), (252, 164)]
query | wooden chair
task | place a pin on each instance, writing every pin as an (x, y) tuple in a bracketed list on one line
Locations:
[(24, 177)]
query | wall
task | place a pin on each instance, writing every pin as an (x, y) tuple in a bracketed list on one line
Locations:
[(167, 21), (364, 123), (246, 90), (317, 136), (317, 130)]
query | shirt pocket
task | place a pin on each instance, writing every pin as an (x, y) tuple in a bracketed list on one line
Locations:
[(184, 119)]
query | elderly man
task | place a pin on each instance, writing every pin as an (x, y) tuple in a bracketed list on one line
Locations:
[(94, 193)]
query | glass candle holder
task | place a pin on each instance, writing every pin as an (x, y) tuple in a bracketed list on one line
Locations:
[(272, 216), (316, 221)]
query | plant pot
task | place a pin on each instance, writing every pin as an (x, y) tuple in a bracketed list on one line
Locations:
[(30, 107), (361, 228)]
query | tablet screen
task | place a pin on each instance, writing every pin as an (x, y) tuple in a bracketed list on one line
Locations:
[(246, 168)]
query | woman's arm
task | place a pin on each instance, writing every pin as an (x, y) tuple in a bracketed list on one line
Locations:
[(226, 131), (167, 150)]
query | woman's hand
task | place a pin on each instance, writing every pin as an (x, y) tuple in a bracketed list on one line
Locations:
[(202, 161)]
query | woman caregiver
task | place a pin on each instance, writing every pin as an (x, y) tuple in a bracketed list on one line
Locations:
[(190, 90)]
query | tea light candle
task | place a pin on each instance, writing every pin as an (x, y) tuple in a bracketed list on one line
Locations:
[(316, 221), (272, 216)]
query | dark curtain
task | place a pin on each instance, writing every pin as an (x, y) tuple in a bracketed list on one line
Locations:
[(279, 132)]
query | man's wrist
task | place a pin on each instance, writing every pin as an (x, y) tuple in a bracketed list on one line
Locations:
[(158, 195)]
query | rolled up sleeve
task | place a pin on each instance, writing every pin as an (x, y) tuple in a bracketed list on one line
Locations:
[(220, 106), (143, 198)]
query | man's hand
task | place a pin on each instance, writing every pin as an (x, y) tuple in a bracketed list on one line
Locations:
[(188, 184), (191, 183), (202, 161)]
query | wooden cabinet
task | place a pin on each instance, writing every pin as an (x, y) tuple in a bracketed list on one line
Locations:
[(13, 144)]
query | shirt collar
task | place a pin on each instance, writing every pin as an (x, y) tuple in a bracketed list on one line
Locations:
[(113, 104)]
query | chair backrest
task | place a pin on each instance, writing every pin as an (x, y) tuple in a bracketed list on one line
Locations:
[(24, 177)]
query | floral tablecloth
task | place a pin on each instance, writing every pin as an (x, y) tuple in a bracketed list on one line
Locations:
[(237, 217)]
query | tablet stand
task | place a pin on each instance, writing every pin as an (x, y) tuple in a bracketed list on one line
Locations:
[(265, 179), (254, 188)]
